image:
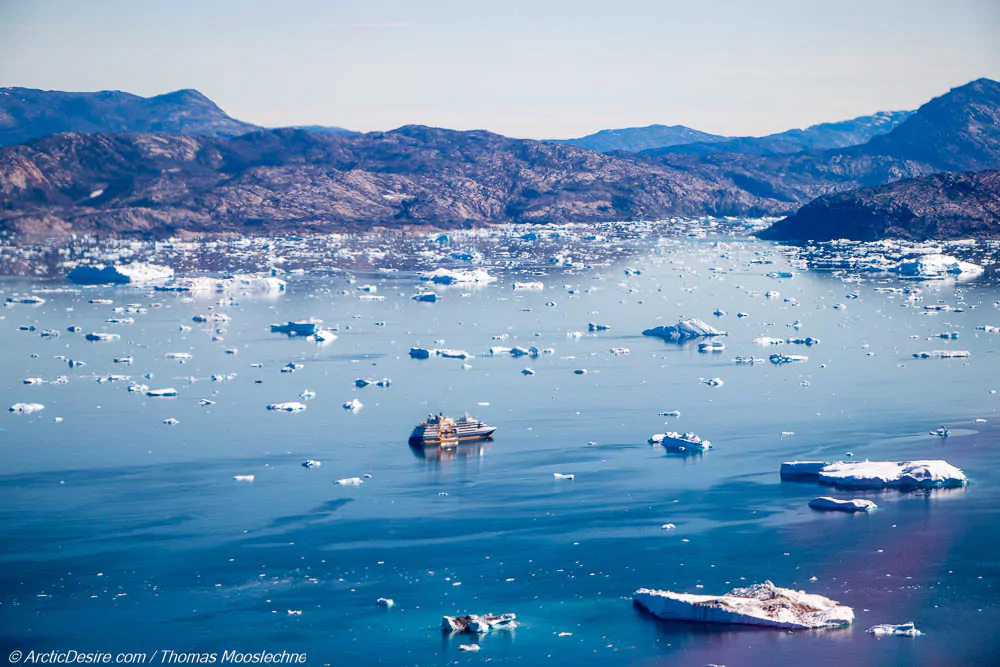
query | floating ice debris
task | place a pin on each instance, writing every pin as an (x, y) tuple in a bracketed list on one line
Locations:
[(170, 421), (479, 624), (120, 274), (712, 382), (942, 354), (350, 481), (747, 360), (468, 647), (714, 346), (210, 318), (287, 407), (593, 326), (302, 328), (458, 276), (560, 475), (243, 478), (353, 405), (938, 266), (26, 408), (426, 297), (311, 463), (839, 306), (386, 603), (684, 330), (324, 336), (580, 371), (767, 340), (419, 353), (759, 604), (670, 413), (385, 383), (668, 526), (206, 403), (242, 284), (742, 315), (833, 504), (941, 432), (123, 360), (307, 394), (100, 336), (452, 354), (680, 442), (808, 340), (901, 630), (33, 381), (101, 302), (361, 383), (29, 300), (719, 312), (528, 286), (619, 351), (527, 371), (787, 358), (180, 356), (879, 474), (159, 393), (948, 335)]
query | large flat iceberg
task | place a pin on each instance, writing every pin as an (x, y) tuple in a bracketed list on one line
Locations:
[(758, 604), (938, 266), (879, 474), (685, 329), (139, 273)]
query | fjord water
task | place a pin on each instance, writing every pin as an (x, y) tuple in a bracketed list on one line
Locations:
[(125, 534)]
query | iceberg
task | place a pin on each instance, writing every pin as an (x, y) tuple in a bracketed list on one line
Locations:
[(291, 406), (759, 604), (240, 284), (834, 505), (943, 354), (26, 408), (879, 474), (938, 266), (684, 330), (159, 393), (479, 624), (458, 276), (103, 337), (303, 328), (419, 353), (426, 297), (902, 630), (139, 273)]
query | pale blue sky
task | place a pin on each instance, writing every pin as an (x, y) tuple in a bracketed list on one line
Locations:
[(531, 69)]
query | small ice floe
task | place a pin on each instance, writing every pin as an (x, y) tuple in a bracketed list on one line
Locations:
[(941, 432), (311, 463), (560, 475), (833, 504), (808, 341), (670, 413), (301, 328), (619, 351), (779, 359), (179, 356), (291, 406), (123, 360), (350, 481), (479, 624), (457, 276), (206, 403), (712, 382), (714, 346), (26, 408), (680, 442), (535, 285), (684, 330), (668, 526), (307, 394), (719, 312), (170, 421), (594, 326), (99, 336), (767, 340), (839, 306), (580, 371), (353, 405), (878, 474), (759, 604), (948, 335), (901, 630), (361, 383), (426, 297), (243, 478), (988, 328), (453, 354), (160, 393), (468, 647), (741, 315), (323, 336), (942, 354), (33, 381), (527, 371), (291, 367), (384, 383), (385, 603), (294, 612), (935, 266)]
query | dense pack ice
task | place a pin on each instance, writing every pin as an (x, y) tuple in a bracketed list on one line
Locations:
[(879, 474), (834, 505), (137, 273), (479, 623), (759, 604), (684, 330)]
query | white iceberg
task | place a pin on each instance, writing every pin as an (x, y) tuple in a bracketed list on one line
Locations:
[(760, 604), (159, 393), (457, 276), (684, 330), (479, 623), (139, 273), (238, 284), (834, 505), (350, 481), (904, 474), (99, 336), (290, 406), (26, 408), (942, 354), (938, 266), (901, 630)]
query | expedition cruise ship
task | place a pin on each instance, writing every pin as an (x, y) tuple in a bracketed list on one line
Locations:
[(438, 430)]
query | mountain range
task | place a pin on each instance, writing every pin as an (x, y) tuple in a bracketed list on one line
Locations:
[(209, 172)]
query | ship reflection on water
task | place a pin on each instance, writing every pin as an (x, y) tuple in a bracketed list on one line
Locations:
[(463, 450)]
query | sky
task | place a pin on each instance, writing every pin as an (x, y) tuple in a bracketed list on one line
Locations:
[(538, 69)]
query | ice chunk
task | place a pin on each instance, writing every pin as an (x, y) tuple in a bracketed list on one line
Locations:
[(452, 354), (139, 273), (760, 604), (802, 468), (291, 406), (170, 421), (240, 284), (387, 603), (528, 286), (684, 330), (901, 630), (419, 353), (835, 505), (938, 266), (103, 337), (353, 405), (468, 647), (787, 358), (25, 408), (243, 478), (311, 463), (560, 475), (350, 481), (479, 624), (943, 354), (426, 297), (308, 327), (458, 276), (159, 393), (904, 474)]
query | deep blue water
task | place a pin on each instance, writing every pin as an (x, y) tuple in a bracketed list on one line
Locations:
[(125, 534)]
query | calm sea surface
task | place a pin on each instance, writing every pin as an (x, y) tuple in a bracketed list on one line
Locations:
[(122, 533)]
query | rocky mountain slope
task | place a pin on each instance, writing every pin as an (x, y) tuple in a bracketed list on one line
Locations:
[(635, 139), (26, 113), (939, 206)]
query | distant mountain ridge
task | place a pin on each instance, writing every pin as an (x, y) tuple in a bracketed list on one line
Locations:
[(823, 136), (636, 139), (27, 113)]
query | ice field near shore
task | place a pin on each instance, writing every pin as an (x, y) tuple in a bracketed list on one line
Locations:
[(201, 482)]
